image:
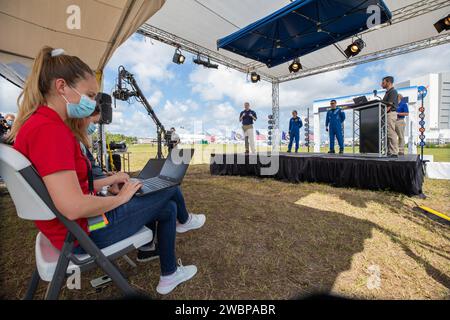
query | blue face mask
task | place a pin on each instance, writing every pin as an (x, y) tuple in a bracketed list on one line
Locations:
[(91, 128), (82, 109), (9, 122)]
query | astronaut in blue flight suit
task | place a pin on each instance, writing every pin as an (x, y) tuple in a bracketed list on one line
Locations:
[(333, 124), (294, 131)]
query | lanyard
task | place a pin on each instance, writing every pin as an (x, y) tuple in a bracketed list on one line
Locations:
[(90, 175)]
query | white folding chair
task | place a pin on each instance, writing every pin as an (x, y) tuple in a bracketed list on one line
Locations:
[(33, 202)]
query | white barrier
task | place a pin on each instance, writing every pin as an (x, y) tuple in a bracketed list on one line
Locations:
[(438, 170)]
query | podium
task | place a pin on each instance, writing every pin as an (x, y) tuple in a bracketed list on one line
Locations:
[(370, 127)]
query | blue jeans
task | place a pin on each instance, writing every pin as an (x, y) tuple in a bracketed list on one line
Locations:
[(164, 207)]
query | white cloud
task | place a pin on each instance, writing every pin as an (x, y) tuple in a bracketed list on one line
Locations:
[(147, 60), (131, 120), (155, 98), (416, 64), (216, 85)]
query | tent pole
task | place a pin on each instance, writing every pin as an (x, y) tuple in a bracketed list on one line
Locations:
[(276, 116)]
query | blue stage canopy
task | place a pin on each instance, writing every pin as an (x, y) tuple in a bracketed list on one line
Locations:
[(300, 28)]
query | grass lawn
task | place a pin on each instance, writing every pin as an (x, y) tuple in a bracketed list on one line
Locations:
[(266, 239)]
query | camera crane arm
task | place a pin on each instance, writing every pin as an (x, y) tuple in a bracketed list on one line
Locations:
[(124, 94)]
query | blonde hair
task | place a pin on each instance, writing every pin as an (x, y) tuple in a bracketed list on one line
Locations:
[(38, 84), (78, 127)]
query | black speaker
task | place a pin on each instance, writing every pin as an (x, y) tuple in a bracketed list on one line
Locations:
[(117, 161), (104, 105)]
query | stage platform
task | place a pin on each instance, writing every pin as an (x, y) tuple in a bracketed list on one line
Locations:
[(404, 174)]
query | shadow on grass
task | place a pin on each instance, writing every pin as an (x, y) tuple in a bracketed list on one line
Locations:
[(391, 201)]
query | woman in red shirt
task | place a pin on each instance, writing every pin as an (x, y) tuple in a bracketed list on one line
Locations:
[(61, 87)]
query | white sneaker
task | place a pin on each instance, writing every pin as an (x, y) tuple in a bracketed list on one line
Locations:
[(195, 221), (168, 283)]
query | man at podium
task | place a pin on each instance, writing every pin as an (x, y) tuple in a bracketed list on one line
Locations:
[(391, 99), (333, 124)]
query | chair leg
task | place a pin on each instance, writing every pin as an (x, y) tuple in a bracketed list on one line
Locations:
[(32, 287), (116, 276), (61, 269), (130, 262)]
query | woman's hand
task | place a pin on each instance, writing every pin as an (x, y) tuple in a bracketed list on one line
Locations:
[(128, 190), (121, 177), (114, 189)]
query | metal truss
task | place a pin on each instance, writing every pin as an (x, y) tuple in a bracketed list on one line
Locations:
[(410, 47), (414, 10), (383, 131), (189, 46), (355, 129), (276, 116)]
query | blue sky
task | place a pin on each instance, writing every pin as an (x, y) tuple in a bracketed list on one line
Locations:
[(191, 96)]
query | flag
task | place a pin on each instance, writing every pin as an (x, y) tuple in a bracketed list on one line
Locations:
[(260, 136)]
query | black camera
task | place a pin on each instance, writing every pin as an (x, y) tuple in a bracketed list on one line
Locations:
[(123, 94), (114, 146), (168, 140)]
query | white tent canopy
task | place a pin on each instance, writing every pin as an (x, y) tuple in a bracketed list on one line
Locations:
[(196, 25), (27, 25), (199, 23)]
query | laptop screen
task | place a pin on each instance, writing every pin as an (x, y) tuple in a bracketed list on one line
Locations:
[(177, 163), (360, 100)]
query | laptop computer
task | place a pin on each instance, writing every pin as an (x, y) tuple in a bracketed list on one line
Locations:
[(172, 172), (151, 169), (360, 100)]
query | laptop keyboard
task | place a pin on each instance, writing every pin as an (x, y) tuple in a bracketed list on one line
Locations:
[(156, 183)]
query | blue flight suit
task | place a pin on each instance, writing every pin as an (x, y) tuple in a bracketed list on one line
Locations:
[(334, 121), (294, 132)]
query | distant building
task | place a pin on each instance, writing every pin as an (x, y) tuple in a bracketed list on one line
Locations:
[(146, 140), (436, 103)]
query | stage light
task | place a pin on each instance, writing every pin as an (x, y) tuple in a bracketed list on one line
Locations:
[(443, 24), (178, 58), (206, 63), (254, 77), (355, 48), (295, 66)]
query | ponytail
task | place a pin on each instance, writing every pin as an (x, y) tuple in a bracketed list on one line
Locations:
[(39, 82), (31, 97)]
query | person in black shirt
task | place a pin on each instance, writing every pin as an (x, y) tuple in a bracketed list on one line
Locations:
[(391, 99), (247, 117)]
